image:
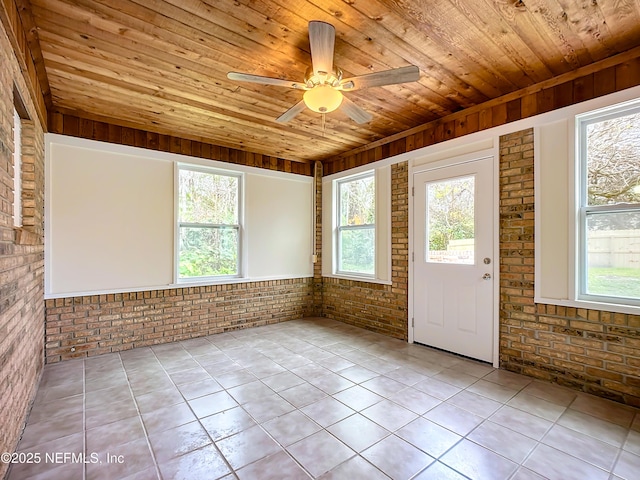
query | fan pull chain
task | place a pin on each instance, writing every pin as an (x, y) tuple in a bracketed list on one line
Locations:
[(324, 124)]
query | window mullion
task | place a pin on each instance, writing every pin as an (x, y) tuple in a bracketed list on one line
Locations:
[(618, 207), (209, 225), (357, 227)]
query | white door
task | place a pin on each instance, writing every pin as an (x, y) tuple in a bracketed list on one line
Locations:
[(453, 286)]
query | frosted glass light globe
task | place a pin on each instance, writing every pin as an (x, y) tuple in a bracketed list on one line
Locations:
[(322, 99)]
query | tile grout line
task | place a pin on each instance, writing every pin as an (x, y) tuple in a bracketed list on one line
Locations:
[(356, 412), (391, 433), (520, 464), (252, 417), (462, 437), (144, 428), (322, 428), (284, 448), (540, 441), (213, 443)]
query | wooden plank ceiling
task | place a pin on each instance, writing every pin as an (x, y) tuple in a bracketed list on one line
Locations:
[(161, 65)]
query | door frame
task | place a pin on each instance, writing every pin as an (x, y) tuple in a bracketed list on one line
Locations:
[(448, 162)]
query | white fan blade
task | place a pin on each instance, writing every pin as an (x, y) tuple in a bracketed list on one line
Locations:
[(356, 113), (387, 77), (278, 82), (322, 38), (292, 112)]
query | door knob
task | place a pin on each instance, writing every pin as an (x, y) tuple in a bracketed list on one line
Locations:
[(486, 276)]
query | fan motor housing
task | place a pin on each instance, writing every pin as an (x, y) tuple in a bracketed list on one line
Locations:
[(313, 79)]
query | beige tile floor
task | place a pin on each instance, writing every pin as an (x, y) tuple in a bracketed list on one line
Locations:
[(315, 398)]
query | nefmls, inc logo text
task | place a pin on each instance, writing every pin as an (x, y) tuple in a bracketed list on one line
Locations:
[(60, 457), (72, 457)]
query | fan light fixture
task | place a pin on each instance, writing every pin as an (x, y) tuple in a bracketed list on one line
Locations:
[(323, 82), (322, 99)]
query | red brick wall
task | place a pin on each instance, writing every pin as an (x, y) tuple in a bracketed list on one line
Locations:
[(593, 351), (381, 308), (93, 325), (21, 258)]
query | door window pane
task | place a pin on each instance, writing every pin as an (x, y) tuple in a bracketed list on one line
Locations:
[(613, 254), (450, 221)]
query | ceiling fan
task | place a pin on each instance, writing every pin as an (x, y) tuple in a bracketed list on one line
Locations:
[(323, 83)]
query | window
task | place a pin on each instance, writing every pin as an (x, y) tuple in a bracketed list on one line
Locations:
[(356, 225), (17, 169), (209, 212), (451, 221), (609, 152)]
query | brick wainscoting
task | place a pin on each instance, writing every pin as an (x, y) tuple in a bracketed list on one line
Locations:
[(594, 351), (93, 325)]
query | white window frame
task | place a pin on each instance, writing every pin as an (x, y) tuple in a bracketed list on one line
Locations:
[(342, 228), (383, 237), (179, 225), (17, 169), (584, 210)]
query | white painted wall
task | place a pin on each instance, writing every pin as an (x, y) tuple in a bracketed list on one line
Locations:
[(110, 219)]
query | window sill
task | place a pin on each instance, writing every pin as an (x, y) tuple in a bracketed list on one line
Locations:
[(591, 305), (185, 283), (26, 237), (171, 286), (357, 278)]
